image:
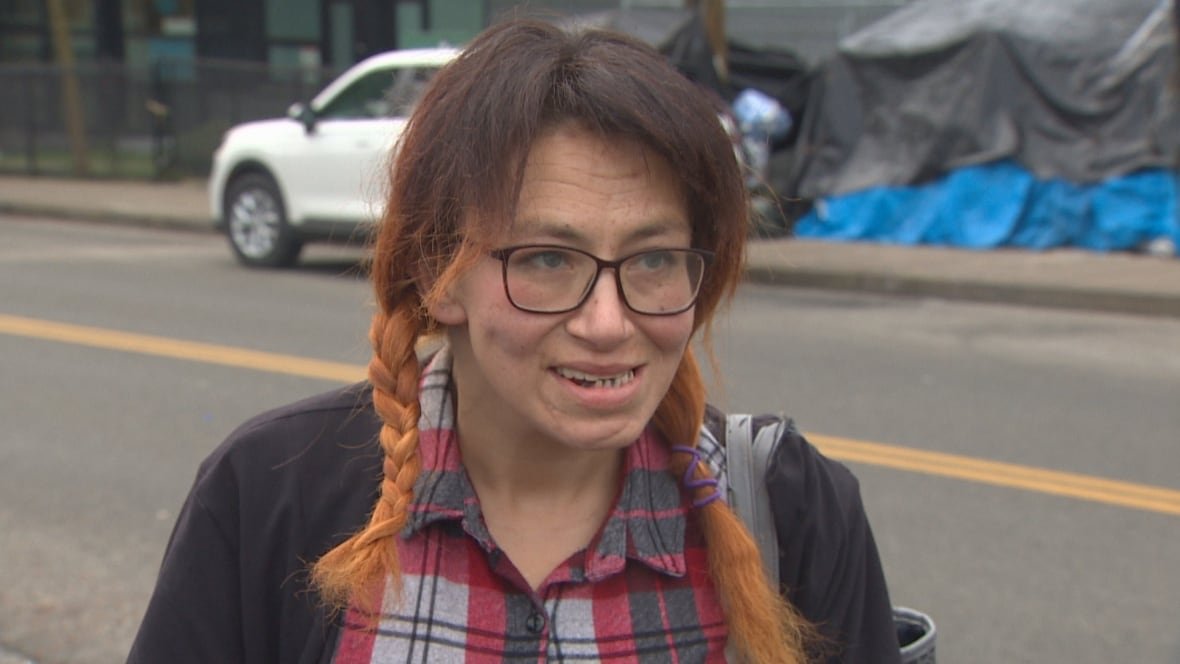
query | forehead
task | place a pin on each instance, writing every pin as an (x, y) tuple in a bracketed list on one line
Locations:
[(579, 183)]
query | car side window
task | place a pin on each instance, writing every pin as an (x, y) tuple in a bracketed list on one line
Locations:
[(407, 88), (379, 94)]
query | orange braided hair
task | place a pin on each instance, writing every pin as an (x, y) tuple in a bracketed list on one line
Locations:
[(350, 571), (762, 624)]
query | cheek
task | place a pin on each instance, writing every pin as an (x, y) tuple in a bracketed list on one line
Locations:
[(669, 333), (513, 340), (512, 332)]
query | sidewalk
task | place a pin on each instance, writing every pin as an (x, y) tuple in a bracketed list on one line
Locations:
[(1074, 279), (9, 657)]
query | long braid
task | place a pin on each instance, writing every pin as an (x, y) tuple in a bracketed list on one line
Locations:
[(762, 625), (351, 571)]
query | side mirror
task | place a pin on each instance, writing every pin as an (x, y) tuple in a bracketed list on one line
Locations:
[(303, 113)]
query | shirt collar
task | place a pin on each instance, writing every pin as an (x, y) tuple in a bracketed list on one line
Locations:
[(647, 523)]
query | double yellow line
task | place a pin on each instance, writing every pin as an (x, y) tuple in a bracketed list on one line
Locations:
[(1041, 480), (193, 351), (997, 473)]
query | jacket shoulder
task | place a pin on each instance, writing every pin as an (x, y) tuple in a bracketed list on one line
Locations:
[(319, 429)]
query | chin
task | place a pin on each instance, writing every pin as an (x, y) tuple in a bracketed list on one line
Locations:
[(601, 434)]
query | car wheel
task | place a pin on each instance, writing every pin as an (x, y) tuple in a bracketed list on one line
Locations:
[(256, 223)]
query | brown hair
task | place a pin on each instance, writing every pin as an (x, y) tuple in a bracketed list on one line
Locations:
[(454, 186)]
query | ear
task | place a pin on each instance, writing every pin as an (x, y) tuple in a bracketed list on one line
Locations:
[(447, 309)]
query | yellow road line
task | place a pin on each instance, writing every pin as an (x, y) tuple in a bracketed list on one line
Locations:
[(1073, 485), (1041, 480), (183, 350)]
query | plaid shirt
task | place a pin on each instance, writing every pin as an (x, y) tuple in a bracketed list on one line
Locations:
[(639, 592)]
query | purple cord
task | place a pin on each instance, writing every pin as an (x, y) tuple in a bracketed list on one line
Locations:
[(693, 484)]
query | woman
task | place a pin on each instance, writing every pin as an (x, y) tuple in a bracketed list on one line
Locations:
[(565, 212)]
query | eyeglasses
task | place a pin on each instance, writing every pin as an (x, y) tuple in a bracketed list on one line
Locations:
[(552, 279)]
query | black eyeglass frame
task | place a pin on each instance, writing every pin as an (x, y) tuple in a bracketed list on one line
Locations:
[(504, 253)]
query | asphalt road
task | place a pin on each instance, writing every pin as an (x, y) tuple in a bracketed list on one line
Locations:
[(103, 432)]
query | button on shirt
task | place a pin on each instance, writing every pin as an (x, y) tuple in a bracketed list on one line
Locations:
[(639, 591)]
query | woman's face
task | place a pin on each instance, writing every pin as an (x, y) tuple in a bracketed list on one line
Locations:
[(591, 378)]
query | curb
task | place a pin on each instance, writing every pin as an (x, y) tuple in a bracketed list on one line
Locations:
[(762, 271), (1107, 301), (113, 218), (10, 657)]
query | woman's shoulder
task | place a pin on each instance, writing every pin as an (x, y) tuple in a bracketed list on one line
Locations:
[(798, 474), (306, 444), (283, 488), (291, 428)]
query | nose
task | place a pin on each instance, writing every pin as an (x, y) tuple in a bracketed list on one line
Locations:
[(603, 319)]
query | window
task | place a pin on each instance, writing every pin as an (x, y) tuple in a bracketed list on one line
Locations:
[(379, 94)]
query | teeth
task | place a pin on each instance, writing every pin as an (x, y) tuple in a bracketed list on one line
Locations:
[(589, 380)]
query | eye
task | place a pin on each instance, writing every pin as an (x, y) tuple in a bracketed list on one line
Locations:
[(546, 258), (657, 260)]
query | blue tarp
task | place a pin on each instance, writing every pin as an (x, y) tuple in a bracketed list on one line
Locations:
[(1002, 204)]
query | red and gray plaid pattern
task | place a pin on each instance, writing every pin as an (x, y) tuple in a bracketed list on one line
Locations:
[(640, 592)]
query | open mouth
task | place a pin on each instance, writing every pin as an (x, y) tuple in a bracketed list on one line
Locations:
[(589, 380)]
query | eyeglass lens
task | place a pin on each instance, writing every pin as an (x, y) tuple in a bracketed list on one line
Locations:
[(548, 279)]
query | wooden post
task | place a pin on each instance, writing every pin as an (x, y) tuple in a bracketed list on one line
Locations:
[(713, 14), (71, 98)]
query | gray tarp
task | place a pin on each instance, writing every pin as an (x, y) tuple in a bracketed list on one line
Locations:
[(1075, 89)]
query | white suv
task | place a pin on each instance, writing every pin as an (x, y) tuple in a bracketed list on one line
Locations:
[(319, 173)]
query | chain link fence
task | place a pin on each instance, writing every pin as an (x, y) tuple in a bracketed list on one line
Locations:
[(162, 121)]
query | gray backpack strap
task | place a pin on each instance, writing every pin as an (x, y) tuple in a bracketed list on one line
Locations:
[(747, 458)]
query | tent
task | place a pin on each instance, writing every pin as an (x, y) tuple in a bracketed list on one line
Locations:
[(680, 34), (777, 72), (989, 123)]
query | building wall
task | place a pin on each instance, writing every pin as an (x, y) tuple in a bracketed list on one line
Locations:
[(439, 22), (230, 29), (23, 31)]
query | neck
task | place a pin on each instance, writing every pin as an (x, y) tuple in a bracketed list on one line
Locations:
[(523, 473), (541, 505)]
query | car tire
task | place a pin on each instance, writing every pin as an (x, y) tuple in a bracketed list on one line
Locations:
[(256, 223)]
